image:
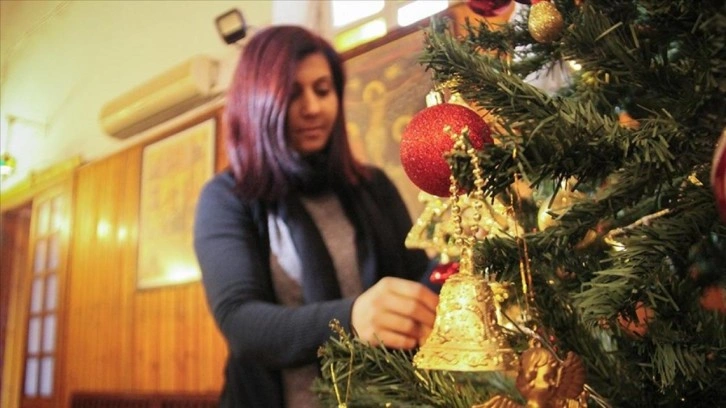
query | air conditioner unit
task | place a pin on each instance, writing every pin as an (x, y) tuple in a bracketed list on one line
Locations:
[(170, 94)]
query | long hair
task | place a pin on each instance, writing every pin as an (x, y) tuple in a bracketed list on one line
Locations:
[(259, 150)]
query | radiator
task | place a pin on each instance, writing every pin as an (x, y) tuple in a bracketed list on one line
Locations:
[(141, 400)]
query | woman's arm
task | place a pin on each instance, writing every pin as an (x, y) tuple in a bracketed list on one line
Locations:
[(233, 256)]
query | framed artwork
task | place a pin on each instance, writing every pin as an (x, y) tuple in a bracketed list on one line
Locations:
[(386, 87), (173, 171)]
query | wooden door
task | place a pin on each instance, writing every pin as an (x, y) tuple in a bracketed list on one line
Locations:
[(44, 282), (13, 260)]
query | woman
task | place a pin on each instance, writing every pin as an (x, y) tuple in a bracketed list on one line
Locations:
[(298, 232)]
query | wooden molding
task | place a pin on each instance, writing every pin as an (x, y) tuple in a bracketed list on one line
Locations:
[(36, 182)]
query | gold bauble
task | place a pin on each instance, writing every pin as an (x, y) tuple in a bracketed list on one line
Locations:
[(545, 22)]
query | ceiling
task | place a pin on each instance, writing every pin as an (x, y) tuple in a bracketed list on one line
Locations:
[(60, 61)]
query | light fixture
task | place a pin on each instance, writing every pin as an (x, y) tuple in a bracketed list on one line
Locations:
[(7, 165), (7, 161), (231, 26), (16, 127)]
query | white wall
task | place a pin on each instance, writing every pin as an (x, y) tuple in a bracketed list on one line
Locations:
[(62, 60)]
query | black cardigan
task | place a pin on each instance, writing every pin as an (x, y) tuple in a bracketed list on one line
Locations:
[(232, 247)]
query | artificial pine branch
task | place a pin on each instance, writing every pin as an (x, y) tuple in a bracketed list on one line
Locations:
[(380, 377)]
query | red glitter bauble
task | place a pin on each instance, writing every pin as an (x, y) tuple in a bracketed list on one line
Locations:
[(424, 144), (718, 176)]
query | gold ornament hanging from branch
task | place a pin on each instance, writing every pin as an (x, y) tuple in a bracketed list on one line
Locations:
[(466, 335), (546, 382), (545, 22), (433, 230)]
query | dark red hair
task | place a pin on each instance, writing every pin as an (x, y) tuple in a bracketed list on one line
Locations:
[(261, 157)]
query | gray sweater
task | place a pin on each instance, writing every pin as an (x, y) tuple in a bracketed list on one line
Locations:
[(263, 336)]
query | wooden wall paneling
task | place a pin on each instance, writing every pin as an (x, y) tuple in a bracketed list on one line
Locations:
[(179, 345), (179, 331), (184, 361), (166, 346), (188, 356), (185, 358), (76, 343), (79, 339), (146, 369), (119, 338), (127, 242), (175, 371), (123, 213), (105, 325), (207, 337), (100, 318)]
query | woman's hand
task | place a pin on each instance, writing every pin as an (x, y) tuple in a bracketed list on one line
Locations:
[(396, 312)]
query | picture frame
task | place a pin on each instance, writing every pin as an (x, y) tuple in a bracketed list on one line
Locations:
[(386, 87), (173, 171)]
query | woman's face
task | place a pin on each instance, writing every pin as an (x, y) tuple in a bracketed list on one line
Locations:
[(313, 105)]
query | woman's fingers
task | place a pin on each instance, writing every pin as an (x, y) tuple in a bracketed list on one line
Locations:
[(396, 312), (403, 290), (393, 340)]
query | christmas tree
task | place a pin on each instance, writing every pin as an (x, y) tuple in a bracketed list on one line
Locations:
[(620, 261)]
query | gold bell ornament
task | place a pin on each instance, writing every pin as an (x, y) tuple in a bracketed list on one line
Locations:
[(466, 336)]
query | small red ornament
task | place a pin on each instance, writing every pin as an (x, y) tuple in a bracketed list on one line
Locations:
[(488, 8), (425, 143), (443, 271), (637, 327), (714, 298), (718, 175)]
